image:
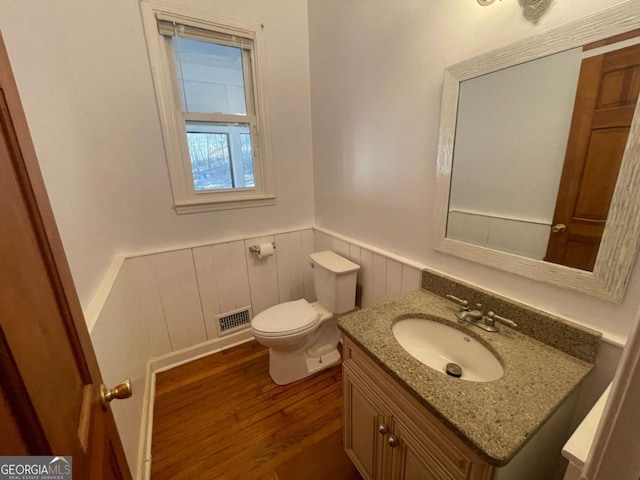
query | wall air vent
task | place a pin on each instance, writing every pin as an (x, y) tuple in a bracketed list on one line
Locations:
[(230, 322)]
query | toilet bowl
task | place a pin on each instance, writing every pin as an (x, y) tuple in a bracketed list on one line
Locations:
[(303, 337)]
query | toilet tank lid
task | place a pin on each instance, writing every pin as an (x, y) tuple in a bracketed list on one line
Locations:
[(334, 262), (288, 317)]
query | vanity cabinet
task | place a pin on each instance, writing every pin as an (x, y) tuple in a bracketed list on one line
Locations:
[(389, 435)]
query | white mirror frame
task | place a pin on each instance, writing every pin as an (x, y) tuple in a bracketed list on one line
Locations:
[(622, 231)]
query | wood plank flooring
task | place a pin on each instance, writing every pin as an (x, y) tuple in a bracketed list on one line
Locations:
[(221, 417)]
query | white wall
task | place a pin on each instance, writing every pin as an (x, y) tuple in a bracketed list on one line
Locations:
[(84, 78), (376, 73)]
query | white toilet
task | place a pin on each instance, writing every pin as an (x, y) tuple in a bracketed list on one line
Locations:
[(303, 337)]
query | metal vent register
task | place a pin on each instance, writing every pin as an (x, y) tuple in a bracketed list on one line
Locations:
[(232, 321)]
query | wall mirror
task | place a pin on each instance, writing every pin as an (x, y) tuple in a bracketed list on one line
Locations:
[(511, 130)]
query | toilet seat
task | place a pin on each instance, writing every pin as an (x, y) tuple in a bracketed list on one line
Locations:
[(286, 318)]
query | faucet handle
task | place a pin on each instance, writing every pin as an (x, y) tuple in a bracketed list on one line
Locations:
[(464, 304), (492, 318)]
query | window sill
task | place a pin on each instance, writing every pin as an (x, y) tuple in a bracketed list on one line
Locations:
[(229, 204)]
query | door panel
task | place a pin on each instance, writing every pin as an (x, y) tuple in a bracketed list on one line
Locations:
[(41, 350), (50, 376)]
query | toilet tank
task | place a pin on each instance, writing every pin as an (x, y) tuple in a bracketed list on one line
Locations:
[(334, 280)]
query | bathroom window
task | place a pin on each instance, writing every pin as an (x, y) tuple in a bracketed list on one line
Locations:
[(207, 76)]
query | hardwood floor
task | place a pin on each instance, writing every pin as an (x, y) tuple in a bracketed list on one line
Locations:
[(221, 417)]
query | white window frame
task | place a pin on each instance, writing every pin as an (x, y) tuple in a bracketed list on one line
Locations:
[(173, 119)]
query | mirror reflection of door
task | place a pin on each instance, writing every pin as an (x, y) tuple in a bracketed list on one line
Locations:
[(607, 94)]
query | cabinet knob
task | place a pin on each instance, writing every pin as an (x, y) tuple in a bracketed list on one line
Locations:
[(382, 428), (559, 228), (393, 441)]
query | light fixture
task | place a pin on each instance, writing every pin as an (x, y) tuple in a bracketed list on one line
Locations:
[(532, 9)]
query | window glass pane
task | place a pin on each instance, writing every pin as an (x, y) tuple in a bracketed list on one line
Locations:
[(210, 77), (220, 155), (210, 160), (247, 160)]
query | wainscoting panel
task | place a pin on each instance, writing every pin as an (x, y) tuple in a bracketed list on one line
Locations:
[(341, 247), (123, 343), (411, 279), (394, 279), (324, 242), (263, 276), (354, 253), (520, 236), (307, 249), (178, 285), (178, 294), (148, 302), (223, 281), (366, 277), (290, 265), (380, 277)]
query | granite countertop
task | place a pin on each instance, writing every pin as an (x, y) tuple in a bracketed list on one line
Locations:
[(494, 418)]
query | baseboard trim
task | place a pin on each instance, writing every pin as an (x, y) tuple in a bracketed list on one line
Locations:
[(167, 362)]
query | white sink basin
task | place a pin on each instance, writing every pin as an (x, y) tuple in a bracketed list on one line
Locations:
[(437, 345)]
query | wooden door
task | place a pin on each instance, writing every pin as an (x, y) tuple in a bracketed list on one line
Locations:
[(607, 94), (49, 401)]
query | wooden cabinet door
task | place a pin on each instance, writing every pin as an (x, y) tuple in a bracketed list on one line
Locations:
[(410, 460), (49, 375), (363, 417)]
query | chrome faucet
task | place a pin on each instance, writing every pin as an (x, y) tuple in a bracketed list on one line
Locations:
[(470, 316), (464, 314), (478, 318)]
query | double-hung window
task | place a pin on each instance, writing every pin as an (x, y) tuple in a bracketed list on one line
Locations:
[(207, 76)]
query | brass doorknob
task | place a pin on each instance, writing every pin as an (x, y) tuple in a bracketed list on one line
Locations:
[(119, 391), (559, 228)]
